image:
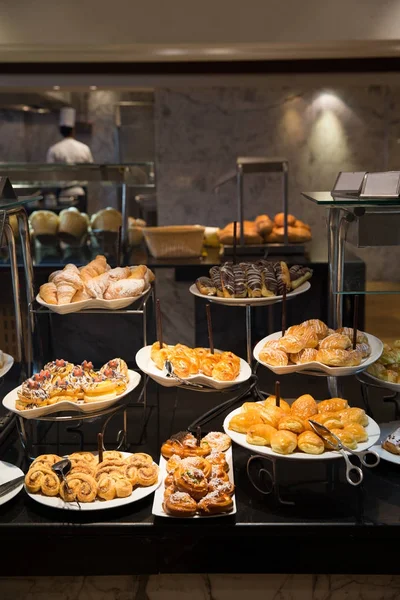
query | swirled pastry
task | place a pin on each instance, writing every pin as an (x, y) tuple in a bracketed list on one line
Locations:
[(82, 467), (84, 456), (180, 504), (217, 440), (46, 460), (284, 442), (260, 435), (131, 472), (310, 443), (332, 405), (112, 455), (304, 356), (114, 485), (81, 487), (148, 475), (173, 463), (42, 479), (274, 357), (335, 341), (215, 502), (139, 459), (304, 407), (192, 481)]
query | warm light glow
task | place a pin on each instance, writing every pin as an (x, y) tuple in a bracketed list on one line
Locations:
[(328, 100), (171, 51), (56, 88), (93, 88), (328, 138), (219, 51)]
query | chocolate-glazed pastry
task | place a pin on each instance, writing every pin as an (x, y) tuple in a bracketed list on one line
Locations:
[(282, 276), (215, 275), (240, 281), (253, 275), (228, 280), (269, 284), (299, 275), (206, 286)]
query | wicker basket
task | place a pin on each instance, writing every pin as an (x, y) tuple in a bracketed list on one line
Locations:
[(175, 241)]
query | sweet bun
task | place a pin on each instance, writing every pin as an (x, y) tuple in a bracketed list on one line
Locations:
[(290, 344), (304, 407), (358, 431), (304, 356), (107, 219), (310, 443), (243, 421), (301, 225), (339, 358), (331, 420), (319, 327), (272, 415), (279, 219), (271, 401), (274, 357), (260, 435), (346, 437), (73, 224), (353, 415), (332, 405), (284, 442), (292, 423), (336, 340), (180, 504)]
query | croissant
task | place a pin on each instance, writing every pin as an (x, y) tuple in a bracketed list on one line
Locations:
[(224, 370), (67, 282), (96, 286), (124, 288), (48, 293), (95, 267), (80, 296)]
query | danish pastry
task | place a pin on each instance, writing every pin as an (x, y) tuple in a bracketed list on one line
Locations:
[(364, 348), (218, 459), (304, 407), (304, 356), (292, 423), (197, 462), (215, 502), (191, 481), (218, 472), (353, 415), (284, 442), (274, 357), (180, 504), (217, 440), (339, 358), (226, 487), (271, 401), (310, 443), (346, 437), (260, 435), (358, 431), (332, 405), (335, 341), (243, 421), (361, 338), (272, 415), (319, 327), (331, 420), (173, 463), (290, 344)]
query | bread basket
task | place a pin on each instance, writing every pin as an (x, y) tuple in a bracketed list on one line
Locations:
[(174, 241)]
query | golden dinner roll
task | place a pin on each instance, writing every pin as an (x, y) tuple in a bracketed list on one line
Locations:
[(319, 327), (346, 437), (359, 432), (279, 219), (332, 405), (271, 401), (284, 442), (274, 357), (310, 443), (304, 356), (353, 415), (335, 341), (272, 415), (290, 344), (243, 421), (304, 407), (292, 423), (260, 435)]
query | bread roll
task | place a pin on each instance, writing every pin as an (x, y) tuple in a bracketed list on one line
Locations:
[(358, 431), (107, 219), (279, 219), (332, 405), (353, 415), (284, 442), (242, 422), (260, 435), (304, 407), (73, 224), (44, 222), (310, 443), (292, 423), (271, 401)]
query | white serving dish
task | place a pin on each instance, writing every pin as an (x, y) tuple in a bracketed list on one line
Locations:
[(376, 351), (146, 365), (386, 429), (8, 472), (395, 387), (8, 363), (57, 502), (73, 307), (85, 407), (304, 287), (158, 510), (240, 438)]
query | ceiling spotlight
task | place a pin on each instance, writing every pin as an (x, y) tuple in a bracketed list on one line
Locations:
[(56, 88), (25, 108)]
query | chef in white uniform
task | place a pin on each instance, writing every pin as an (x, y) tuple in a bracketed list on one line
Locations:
[(69, 151)]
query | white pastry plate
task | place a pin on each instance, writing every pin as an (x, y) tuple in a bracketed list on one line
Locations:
[(376, 351), (158, 510), (395, 387), (304, 287), (86, 407), (73, 307), (240, 438), (57, 502), (7, 473), (386, 429), (8, 363), (146, 365)]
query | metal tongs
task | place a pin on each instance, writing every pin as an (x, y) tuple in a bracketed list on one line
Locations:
[(171, 373), (354, 475)]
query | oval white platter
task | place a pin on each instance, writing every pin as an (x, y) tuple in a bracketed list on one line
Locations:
[(146, 365), (8, 363), (158, 502), (240, 438), (73, 307), (56, 502), (386, 429), (86, 407), (8, 472), (376, 351), (304, 287), (395, 387)]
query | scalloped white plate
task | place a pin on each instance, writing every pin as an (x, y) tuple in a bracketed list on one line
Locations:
[(304, 287), (376, 351), (73, 307), (85, 407), (137, 494), (8, 363), (158, 510), (372, 428), (146, 365)]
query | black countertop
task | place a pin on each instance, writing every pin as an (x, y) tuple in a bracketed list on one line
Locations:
[(329, 530)]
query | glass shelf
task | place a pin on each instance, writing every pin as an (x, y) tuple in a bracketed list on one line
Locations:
[(20, 201), (326, 199)]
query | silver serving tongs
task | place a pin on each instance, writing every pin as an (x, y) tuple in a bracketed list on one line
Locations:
[(171, 373), (336, 444)]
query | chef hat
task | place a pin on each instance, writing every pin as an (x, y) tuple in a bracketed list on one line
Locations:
[(67, 117)]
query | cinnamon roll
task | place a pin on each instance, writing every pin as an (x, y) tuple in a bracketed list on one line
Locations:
[(148, 475), (139, 459), (85, 456), (81, 487), (46, 460), (131, 473), (42, 479), (113, 486)]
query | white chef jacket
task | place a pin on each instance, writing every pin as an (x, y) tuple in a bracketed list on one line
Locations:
[(70, 151)]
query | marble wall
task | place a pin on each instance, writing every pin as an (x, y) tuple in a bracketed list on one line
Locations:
[(203, 587), (201, 131)]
